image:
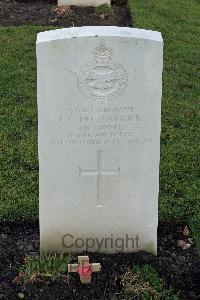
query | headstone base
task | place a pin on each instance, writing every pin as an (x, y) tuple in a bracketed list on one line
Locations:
[(83, 2)]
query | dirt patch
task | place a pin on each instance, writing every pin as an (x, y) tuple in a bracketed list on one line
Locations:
[(23, 12), (180, 268)]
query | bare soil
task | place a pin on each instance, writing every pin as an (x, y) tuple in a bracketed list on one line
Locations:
[(179, 268), (42, 12)]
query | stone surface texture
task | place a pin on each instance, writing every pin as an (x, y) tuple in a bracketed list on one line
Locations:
[(83, 2), (99, 109)]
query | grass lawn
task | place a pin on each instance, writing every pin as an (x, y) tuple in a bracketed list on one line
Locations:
[(18, 119), (145, 283), (178, 22)]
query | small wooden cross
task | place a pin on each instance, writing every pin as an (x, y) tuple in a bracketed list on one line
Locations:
[(84, 268)]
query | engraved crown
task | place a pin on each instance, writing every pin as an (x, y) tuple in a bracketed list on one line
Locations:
[(102, 53)]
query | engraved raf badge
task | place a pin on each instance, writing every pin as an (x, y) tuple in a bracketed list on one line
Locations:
[(103, 79)]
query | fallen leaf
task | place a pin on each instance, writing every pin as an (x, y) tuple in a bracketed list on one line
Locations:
[(183, 244), (62, 11), (36, 277), (186, 246), (16, 280), (102, 16), (33, 278), (190, 240), (186, 231), (115, 280)]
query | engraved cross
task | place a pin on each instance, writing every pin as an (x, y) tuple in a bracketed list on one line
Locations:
[(99, 173)]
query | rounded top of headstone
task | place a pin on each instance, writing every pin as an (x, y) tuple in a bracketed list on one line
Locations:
[(98, 31)]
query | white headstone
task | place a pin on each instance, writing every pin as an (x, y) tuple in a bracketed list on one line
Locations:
[(83, 2), (99, 103)]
